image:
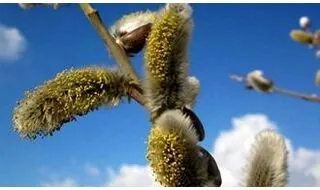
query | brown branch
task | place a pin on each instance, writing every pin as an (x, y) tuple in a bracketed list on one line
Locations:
[(306, 97), (116, 51)]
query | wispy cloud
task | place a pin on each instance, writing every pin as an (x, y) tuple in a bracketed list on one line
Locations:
[(66, 182), (92, 170), (12, 43)]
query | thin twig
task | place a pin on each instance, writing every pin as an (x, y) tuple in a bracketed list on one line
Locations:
[(136, 93), (307, 97), (116, 51)]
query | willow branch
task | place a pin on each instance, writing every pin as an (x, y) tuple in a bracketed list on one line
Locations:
[(116, 51), (306, 97)]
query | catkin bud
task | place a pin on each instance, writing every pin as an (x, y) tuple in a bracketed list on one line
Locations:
[(304, 22), (132, 30), (256, 80)]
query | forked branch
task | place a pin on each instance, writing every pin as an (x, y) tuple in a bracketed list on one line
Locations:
[(117, 52)]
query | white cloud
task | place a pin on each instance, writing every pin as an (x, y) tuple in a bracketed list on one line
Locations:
[(66, 182), (131, 176), (305, 167), (230, 150), (91, 170), (12, 43), (232, 146)]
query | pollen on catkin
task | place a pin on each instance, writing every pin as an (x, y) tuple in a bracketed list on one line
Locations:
[(71, 93), (166, 63), (268, 162), (173, 152)]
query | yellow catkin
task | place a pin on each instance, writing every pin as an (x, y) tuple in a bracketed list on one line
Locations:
[(160, 45), (71, 93), (166, 153), (173, 152), (166, 63)]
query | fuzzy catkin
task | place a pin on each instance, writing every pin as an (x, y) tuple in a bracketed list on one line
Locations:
[(166, 62), (173, 152), (268, 162), (131, 22), (301, 36), (258, 82), (193, 91), (71, 93)]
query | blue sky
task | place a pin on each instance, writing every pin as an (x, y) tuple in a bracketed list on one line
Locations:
[(227, 38)]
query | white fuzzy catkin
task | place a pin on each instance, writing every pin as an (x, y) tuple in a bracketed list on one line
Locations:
[(268, 162), (304, 22), (184, 9), (176, 120), (132, 21), (257, 81), (193, 91)]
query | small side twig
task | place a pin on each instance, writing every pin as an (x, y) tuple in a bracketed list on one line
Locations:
[(306, 97), (136, 93)]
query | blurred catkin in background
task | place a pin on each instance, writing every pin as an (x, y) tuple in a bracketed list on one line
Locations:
[(267, 164)]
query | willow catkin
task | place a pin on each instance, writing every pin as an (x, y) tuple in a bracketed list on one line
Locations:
[(268, 162), (71, 93), (173, 152), (301, 36), (258, 82), (166, 63)]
